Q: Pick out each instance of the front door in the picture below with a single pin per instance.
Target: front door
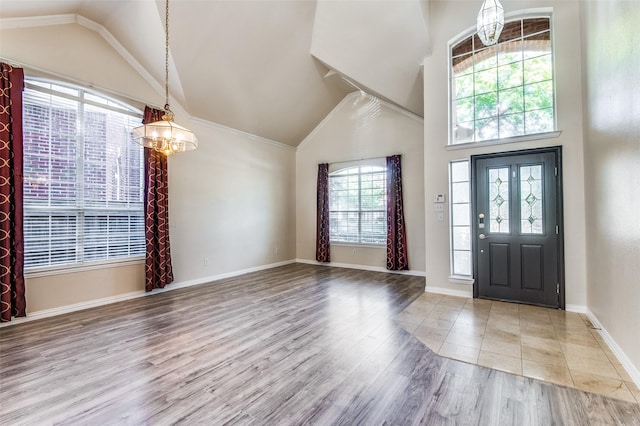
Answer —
(517, 227)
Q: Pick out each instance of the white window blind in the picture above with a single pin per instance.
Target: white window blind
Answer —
(83, 177)
(357, 203)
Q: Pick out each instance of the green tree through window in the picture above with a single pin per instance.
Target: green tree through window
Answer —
(503, 90)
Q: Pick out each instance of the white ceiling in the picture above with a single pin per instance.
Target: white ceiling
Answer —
(247, 64)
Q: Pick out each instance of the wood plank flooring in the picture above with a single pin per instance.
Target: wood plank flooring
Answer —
(299, 344)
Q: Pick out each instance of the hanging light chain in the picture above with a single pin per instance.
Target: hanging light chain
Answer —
(164, 135)
(166, 57)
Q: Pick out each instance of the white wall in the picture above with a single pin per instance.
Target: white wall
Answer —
(361, 127)
(232, 200)
(611, 46)
(449, 19)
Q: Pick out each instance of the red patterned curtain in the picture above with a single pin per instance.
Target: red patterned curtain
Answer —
(12, 298)
(322, 221)
(396, 232)
(158, 270)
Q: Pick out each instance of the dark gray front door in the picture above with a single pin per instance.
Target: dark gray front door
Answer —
(517, 227)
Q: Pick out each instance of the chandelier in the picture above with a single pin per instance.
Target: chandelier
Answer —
(164, 135)
(490, 22)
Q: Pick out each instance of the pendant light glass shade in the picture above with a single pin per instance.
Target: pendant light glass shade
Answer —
(490, 22)
(164, 135)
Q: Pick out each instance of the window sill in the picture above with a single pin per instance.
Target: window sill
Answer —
(383, 246)
(514, 139)
(88, 266)
(461, 279)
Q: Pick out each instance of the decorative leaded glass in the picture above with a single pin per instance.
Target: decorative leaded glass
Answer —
(531, 211)
(499, 200)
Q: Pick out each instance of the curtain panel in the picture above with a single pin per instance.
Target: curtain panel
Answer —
(158, 269)
(322, 218)
(12, 290)
(396, 231)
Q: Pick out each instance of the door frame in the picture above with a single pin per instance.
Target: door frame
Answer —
(557, 150)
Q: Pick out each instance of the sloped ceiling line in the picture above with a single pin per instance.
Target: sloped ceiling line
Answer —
(349, 98)
(71, 18)
(237, 63)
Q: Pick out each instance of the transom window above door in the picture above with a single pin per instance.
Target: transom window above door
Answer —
(505, 90)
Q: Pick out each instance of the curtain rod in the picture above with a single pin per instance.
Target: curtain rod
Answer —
(361, 159)
(75, 81)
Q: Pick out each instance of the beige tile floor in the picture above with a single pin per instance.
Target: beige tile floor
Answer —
(546, 344)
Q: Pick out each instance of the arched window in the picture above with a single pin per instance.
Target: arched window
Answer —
(358, 205)
(504, 90)
(83, 178)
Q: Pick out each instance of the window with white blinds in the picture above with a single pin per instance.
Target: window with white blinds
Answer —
(83, 178)
(358, 205)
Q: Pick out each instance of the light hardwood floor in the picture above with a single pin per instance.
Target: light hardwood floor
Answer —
(299, 344)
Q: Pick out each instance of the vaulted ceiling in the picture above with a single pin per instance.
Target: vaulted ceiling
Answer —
(272, 68)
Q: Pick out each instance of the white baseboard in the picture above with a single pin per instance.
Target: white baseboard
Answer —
(579, 309)
(622, 357)
(211, 278)
(449, 291)
(46, 313)
(361, 267)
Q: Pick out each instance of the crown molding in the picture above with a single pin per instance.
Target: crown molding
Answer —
(37, 21)
(251, 136)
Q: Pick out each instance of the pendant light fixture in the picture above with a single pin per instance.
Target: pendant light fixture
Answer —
(490, 22)
(164, 135)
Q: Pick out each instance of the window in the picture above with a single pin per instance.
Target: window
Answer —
(504, 90)
(460, 218)
(83, 177)
(358, 205)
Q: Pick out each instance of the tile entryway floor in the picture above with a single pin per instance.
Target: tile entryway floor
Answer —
(546, 344)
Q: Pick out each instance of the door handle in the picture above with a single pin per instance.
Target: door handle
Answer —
(482, 236)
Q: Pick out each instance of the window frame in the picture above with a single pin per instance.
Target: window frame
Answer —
(454, 276)
(543, 12)
(93, 99)
(340, 167)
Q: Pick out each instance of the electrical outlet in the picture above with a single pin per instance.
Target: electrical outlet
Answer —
(205, 261)
(440, 217)
(439, 207)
